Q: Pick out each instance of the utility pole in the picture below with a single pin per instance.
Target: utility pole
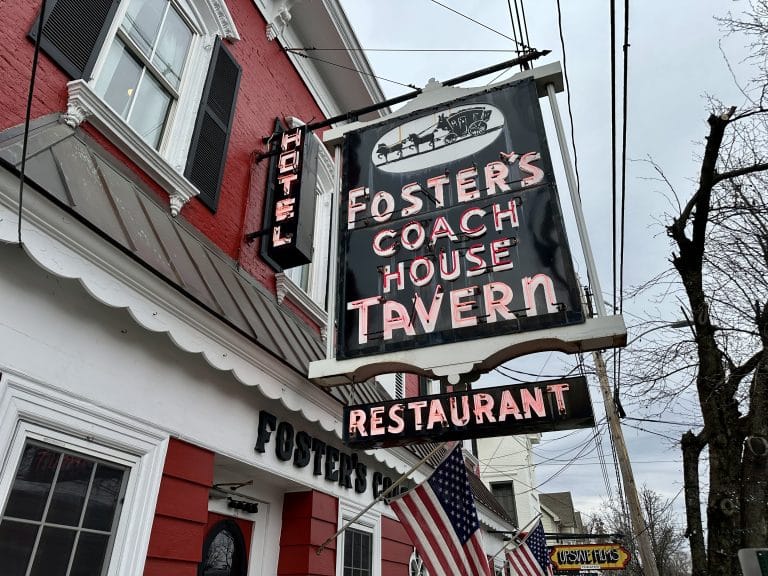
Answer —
(630, 488)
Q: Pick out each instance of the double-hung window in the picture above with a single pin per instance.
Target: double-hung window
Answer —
(156, 79)
(358, 553)
(61, 514)
(141, 76)
(360, 544)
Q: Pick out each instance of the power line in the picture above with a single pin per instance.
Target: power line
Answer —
(481, 24)
(598, 440)
(613, 157)
(677, 440)
(568, 94)
(625, 122)
(315, 49)
(512, 20)
(563, 469)
(519, 25)
(687, 424)
(299, 52)
(540, 375)
(525, 22)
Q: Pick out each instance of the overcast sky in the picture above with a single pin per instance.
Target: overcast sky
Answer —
(674, 61)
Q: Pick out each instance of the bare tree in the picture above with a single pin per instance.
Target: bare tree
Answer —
(666, 539)
(719, 235)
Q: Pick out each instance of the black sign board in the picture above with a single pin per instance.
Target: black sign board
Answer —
(290, 200)
(500, 411)
(451, 228)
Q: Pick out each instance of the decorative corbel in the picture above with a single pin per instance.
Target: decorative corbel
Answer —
(177, 203)
(280, 20)
(75, 114)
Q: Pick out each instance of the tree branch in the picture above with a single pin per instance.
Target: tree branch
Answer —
(740, 172)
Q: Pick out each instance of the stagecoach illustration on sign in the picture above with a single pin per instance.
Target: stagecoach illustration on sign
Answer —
(450, 128)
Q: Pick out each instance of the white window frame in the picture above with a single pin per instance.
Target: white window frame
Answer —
(31, 411)
(416, 565)
(369, 522)
(206, 19)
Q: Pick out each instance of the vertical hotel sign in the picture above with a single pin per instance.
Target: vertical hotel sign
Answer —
(451, 228)
(290, 213)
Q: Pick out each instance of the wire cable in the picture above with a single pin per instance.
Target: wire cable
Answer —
(598, 440)
(519, 22)
(481, 24)
(512, 21)
(568, 94)
(562, 469)
(28, 115)
(299, 52)
(675, 440)
(315, 49)
(625, 99)
(614, 191)
(525, 23)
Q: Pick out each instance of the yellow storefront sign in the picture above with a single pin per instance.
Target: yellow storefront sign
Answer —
(606, 556)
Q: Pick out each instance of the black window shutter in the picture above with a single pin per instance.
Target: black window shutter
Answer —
(74, 31)
(208, 151)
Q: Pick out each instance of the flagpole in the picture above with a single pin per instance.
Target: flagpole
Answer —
(379, 498)
(530, 523)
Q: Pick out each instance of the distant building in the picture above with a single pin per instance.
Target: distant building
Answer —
(507, 468)
(559, 514)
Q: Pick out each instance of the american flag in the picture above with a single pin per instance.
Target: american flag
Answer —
(440, 517)
(531, 557)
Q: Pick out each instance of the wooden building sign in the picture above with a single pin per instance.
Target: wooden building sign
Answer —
(451, 228)
(578, 556)
(514, 409)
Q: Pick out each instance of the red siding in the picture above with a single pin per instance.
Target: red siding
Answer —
(308, 519)
(270, 87)
(411, 385)
(396, 548)
(181, 515)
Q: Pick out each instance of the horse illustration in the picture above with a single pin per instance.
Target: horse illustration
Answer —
(384, 150)
(426, 139)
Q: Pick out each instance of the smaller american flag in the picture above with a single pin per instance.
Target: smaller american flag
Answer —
(531, 557)
(440, 517)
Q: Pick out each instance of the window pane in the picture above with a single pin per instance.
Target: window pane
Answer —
(69, 493)
(218, 561)
(32, 483)
(150, 111)
(16, 542)
(102, 502)
(91, 551)
(358, 560)
(118, 80)
(142, 22)
(53, 552)
(172, 48)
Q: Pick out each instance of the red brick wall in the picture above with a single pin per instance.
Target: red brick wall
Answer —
(16, 51)
(181, 515)
(270, 87)
(396, 548)
(309, 518)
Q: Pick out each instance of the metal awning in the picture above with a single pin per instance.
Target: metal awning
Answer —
(87, 217)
